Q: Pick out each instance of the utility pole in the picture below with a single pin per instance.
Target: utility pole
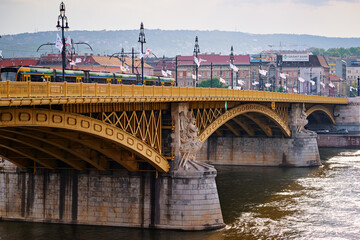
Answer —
(211, 75)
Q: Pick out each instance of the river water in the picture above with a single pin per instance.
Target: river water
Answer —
(257, 203)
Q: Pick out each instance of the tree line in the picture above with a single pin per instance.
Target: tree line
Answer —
(337, 52)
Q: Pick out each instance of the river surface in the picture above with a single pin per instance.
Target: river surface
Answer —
(257, 203)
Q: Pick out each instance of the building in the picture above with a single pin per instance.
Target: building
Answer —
(341, 69)
(340, 86)
(332, 61)
(303, 73)
(215, 65)
(352, 70)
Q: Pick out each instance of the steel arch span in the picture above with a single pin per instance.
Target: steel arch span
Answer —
(243, 109)
(37, 120)
(322, 109)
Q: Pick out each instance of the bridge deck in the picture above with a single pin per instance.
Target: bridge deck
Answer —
(44, 93)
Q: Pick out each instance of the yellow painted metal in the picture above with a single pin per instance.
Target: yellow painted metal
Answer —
(56, 119)
(52, 152)
(322, 109)
(92, 143)
(44, 93)
(244, 125)
(144, 125)
(265, 127)
(61, 145)
(235, 131)
(246, 108)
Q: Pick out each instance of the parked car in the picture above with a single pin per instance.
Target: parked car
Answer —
(342, 131)
(322, 131)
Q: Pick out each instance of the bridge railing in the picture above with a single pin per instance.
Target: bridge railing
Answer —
(9, 90)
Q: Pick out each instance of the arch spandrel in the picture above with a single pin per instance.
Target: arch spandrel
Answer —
(80, 123)
(246, 108)
(322, 109)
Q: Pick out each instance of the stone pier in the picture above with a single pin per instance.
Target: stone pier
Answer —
(301, 151)
(348, 116)
(172, 201)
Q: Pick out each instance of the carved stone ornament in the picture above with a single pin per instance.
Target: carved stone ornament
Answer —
(298, 122)
(189, 142)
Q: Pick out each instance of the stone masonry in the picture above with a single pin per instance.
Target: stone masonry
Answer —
(118, 198)
(348, 116)
(296, 152)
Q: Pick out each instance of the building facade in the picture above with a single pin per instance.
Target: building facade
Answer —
(215, 66)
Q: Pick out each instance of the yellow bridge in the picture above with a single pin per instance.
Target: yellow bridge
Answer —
(108, 127)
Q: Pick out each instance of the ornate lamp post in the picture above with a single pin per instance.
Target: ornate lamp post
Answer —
(63, 20)
(196, 52)
(142, 41)
(232, 63)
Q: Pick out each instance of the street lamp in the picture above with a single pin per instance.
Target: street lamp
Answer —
(232, 69)
(196, 52)
(63, 19)
(142, 41)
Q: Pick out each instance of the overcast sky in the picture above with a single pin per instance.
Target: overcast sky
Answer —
(332, 18)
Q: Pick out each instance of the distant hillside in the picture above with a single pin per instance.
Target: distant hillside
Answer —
(170, 43)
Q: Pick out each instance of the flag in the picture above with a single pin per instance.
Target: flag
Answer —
(267, 85)
(233, 67)
(301, 79)
(58, 43)
(164, 73)
(322, 84)
(148, 52)
(255, 83)
(312, 82)
(262, 72)
(295, 90)
(283, 75)
(123, 69)
(68, 44)
(78, 60)
(196, 60)
(222, 80)
(168, 72)
(331, 85)
(241, 82)
(193, 76)
(353, 89)
(141, 55)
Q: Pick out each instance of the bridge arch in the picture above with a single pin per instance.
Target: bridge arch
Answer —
(323, 110)
(51, 119)
(243, 109)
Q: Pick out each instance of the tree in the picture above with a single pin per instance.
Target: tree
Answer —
(215, 83)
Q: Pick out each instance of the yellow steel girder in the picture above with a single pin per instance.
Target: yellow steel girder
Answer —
(322, 109)
(246, 108)
(83, 124)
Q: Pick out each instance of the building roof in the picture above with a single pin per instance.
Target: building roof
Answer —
(322, 61)
(216, 59)
(114, 61)
(334, 78)
(352, 62)
(12, 62)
